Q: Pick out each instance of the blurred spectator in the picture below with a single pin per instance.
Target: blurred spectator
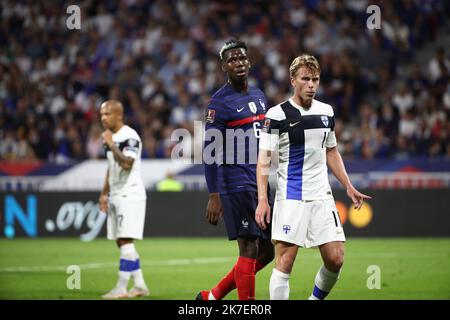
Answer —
(94, 144)
(160, 59)
(403, 99)
(439, 66)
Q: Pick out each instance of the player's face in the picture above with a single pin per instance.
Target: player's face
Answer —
(236, 64)
(305, 83)
(108, 117)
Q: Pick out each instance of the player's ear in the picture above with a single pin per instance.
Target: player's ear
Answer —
(293, 82)
(223, 65)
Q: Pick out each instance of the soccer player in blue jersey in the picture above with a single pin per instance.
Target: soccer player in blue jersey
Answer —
(234, 117)
(301, 130)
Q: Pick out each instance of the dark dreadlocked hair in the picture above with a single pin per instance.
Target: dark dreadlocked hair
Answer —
(231, 44)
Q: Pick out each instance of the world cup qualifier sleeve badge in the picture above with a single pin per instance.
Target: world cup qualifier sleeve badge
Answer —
(210, 115)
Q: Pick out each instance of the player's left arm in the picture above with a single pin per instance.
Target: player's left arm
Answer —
(125, 161)
(336, 165)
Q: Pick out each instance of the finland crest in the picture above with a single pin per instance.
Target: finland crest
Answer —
(132, 142)
(324, 120)
(252, 107)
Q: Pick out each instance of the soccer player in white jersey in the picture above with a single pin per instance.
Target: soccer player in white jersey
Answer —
(123, 198)
(301, 130)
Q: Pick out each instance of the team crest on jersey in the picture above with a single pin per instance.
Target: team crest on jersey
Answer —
(132, 142)
(263, 105)
(210, 115)
(252, 107)
(131, 145)
(324, 120)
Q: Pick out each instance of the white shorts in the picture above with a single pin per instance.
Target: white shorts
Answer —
(126, 218)
(306, 223)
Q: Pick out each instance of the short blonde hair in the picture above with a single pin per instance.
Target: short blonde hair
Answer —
(305, 60)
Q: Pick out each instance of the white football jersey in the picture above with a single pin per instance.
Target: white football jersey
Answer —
(301, 137)
(123, 182)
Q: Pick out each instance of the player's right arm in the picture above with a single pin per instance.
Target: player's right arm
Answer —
(103, 200)
(214, 126)
(267, 143)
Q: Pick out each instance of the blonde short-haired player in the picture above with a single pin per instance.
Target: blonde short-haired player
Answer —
(123, 197)
(301, 130)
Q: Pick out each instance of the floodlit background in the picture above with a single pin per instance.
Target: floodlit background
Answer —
(384, 70)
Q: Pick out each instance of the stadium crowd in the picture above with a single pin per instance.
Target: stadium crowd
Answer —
(160, 58)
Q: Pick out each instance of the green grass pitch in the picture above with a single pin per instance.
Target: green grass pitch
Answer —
(177, 268)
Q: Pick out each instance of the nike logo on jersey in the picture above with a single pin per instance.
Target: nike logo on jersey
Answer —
(239, 110)
(294, 124)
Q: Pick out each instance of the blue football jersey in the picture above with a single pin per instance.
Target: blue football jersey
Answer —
(238, 117)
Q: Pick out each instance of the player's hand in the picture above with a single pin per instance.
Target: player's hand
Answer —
(107, 137)
(103, 203)
(357, 197)
(214, 209)
(262, 214)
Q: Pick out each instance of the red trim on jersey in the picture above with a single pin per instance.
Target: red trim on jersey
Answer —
(245, 120)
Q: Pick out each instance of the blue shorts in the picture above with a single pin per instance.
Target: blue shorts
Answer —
(239, 215)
